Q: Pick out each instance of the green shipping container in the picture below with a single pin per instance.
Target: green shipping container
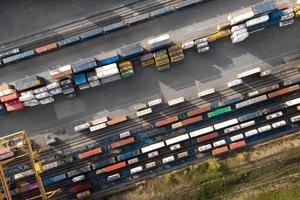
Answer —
(219, 112)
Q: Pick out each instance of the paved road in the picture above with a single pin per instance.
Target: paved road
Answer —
(268, 48)
(199, 13)
(22, 18)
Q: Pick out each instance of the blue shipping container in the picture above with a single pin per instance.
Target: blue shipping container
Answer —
(68, 41)
(107, 58)
(232, 100)
(84, 67)
(90, 34)
(128, 155)
(54, 179)
(275, 15)
(2, 109)
(80, 79)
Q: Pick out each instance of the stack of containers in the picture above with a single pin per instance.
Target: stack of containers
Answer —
(43, 95)
(68, 88)
(54, 88)
(108, 73)
(28, 99)
(126, 69)
(257, 24)
(10, 98)
(287, 17)
(297, 10)
(59, 72)
(81, 81)
(274, 18)
(202, 45)
(239, 33)
(92, 78)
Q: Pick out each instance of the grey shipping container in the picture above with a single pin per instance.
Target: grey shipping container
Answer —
(292, 81)
(83, 61)
(68, 41)
(138, 18)
(84, 67)
(185, 3)
(28, 82)
(250, 116)
(110, 78)
(91, 33)
(232, 100)
(26, 54)
(114, 26)
(8, 59)
(94, 83)
(131, 50)
(161, 11)
(159, 44)
(264, 7)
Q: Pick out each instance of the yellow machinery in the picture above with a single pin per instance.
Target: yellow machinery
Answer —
(21, 146)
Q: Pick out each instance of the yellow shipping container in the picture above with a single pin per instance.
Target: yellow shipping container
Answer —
(218, 35)
(38, 167)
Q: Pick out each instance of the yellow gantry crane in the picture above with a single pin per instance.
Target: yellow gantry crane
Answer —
(21, 146)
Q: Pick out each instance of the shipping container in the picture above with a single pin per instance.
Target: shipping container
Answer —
(107, 70)
(198, 111)
(122, 143)
(82, 187)
(274, 115)
(78, 171)
(54, 179)
(201, 131)
(238, 144)
(249, 116)
(219, 143)
(240, 15)
(133, 161)
(206, 92)
(138, 18)
(182, 155)
(5, 153)
(46, 48)
(158, 42)
(78, 68)
(23, 55)
(113, 177)
(152, 154)
(263, 90)
(185, 3)
(204, 147)
(68, 41)
(232, 128)
(99, 120)
(249, 73)
(58, 72)
(279, 124)
(124, 134)
(219, 111)
(144, 112)
(136, 170)
(175, 53)
(107, 58)
(103, 163)
(115, 167)
(150, 165)
(10, 97)
(168, 159)
(161, 58)
(98, 127)
(152, 147)
(90, 153)
(166, 121)
(155, 102)
(91, 33)
(161, 11)
(114, 26)
(264, 7)
(111, 78)
(177, 139)
(233, 100)
(236, 137)
(128, 155)
(207, 137)
(147, 59)
(191, 120)
(28, 83)
(251, 133)
(176, 101)
(126, 69)
(264, 128)
(225, 124)
(83, 195)
(219, 150)
(251, 101)
(9, 53)
(295, 118)
(80, 79)
(117, 120)
(131, 51)
(292, 81)
(14, 105)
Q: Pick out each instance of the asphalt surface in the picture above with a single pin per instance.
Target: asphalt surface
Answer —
(22, 18)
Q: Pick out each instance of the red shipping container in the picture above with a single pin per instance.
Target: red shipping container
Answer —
(207, 137)
(121, 143)
(10, 97)
(117, 120)
(46, 48)
(90, 153)
(14, 105)
(238, 144)
(81, 188)
(220, 150)
(115, 167)
(273, 94)
(191, 120)
(166, 121)
(198, 111)
(283, 91)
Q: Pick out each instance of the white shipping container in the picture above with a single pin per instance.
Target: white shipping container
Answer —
(152, 154)
(136, 170)
(249, 73)
(125, 134)
(176, 125)
(99, 120)
(266, 73)
(257, 20)
(219, 143)
(234, 82)
(226, 124)
(150, 165)
(201, 131)
(204, 147)
(132, 161)
(158, 39)
(176, 101)
(182, 154)
(264, 128)
(177, 139)
(98, 127)
(187, 45)
(144, 112)
(152, 147)
(82, 126)
(206, 92)
(292, 102)
(247, 124)
(237, 137)
(107, 73)
(242, 17)
(251, 133)
(274, 115)
(174, 147)
(168, 159)
(155, 102)
(279, 124)
(295, 118)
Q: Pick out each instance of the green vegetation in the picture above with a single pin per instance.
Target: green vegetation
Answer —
(269, 171)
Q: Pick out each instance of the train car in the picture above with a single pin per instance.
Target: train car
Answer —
(26, 187)
(295, 119)
(115, 166)
(107, 58)
(144, 112)
(23, 174)
(198, 111)
(103, 163)
(250, 116)
(113, 177)
(136, 170)
(9, 53)
(278, 124)
(292, 102)
(50, 166)
(283, 91)
(273, 109)
(263, 90)
(117, 120)
(233, 100)
(219, 111)
(128, 155)
(152, 147)
(225, 124)
(237, 137)
(219, 143)
(204, 148)
(192, 120)
(201, 131)
(122, 143)
(236, 145)
(167, 121)
(68, 41)
(150, 165)
(206, 92)
(251, 101)
(54, 179)
(168, 159)
(78, 171)
(91, 33)
(220, 150)
(90, 153)
(274, 115)
(65, 161)
(292, 81)
(251, 132)
(177, 139)
(176, 101)
(131, 51)
(46, 48)
(114, 26)
(153, 154)
(82, 187)
(207, 137)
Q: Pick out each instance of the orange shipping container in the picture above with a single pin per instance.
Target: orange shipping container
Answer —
(166, 121)
(10, 97)
(46, 48)
(198, 111)
(115, 167)
(273, 94)
(90, 153)
(191, 120)
(121, 143)
(238, 144)
(5, 86)
(117, 120)
(14, 107)
(220, 150)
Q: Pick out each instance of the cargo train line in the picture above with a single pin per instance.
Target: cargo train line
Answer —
(98, 20)
(264, 105)
(190, 146)
(170, 111)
